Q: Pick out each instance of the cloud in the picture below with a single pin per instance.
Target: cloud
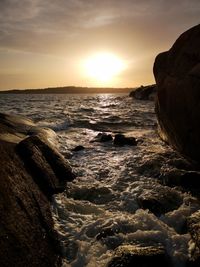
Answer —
(133, 29)
(35, 24)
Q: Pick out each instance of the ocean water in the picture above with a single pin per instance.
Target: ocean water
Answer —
(101, 210)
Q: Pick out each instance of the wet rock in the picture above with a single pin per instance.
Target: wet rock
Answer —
(16, 125)
(121, 140)
(27, 236)
(160, 200)
(189, 180)
(193, 224)
(130, 255)
(71, 250)
(177, 74)
(181, 163)
(151, 166)
(106, 232)
(103, 137)
(97, 195)
(78, 148)
(144, 92)
(48, 167)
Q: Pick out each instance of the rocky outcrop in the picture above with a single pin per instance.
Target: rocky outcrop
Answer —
(132, 255)
(177, 74)
(31, 171)
(144, 92)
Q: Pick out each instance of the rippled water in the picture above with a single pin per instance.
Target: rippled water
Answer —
(101, 209)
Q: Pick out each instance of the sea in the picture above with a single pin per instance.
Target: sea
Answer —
(101, 209)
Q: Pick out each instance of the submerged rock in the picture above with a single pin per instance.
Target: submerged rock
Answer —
(103, 137)
(189, 180)
(109, 231)
(160, 200)
(78, 148)
(27, 236)
(144, 92)
(177, 74)
(130, 255)
(121, 140)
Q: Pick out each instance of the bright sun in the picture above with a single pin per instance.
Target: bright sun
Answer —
(103, 67)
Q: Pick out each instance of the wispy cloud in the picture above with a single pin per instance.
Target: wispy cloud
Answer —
(50, 20)
(69, 28)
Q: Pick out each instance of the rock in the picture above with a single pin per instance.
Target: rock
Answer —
(130, 255)
(121, 140)
(160, 200)
(177, 74)
(189, 180)
(144, 92)
(78, 148)
(103, 137)
(14, 129)
(105, 233)
(93, 194)
(193, 224)
(15, 124)
(27, 236)
(151, 166)
(46, 165)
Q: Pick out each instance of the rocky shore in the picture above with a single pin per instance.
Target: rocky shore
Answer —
(32, 170)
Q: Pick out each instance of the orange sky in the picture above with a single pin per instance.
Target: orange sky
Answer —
(45, 42)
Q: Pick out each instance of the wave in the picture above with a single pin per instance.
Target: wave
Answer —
(55, 126)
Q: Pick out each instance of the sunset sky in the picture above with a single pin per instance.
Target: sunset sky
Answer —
(49, 42)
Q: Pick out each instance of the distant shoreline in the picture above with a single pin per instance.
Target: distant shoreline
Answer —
(69, 90)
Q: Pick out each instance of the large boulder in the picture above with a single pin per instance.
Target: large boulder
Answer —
(31, 171)
(177, 74)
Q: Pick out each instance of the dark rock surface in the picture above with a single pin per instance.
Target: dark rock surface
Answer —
(144, 92)
(177, 74)
(46, 165)
(160, 201)
(121, 140)
(78, 148)
(105, 232)
(103, 137)
(27, 237)
(130, 255)
(189, 180)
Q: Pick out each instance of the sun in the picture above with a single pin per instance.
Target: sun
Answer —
(103, 67)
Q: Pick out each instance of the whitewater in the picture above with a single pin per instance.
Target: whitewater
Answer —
(101, 209)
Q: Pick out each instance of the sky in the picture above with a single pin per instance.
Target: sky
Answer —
(44, 43)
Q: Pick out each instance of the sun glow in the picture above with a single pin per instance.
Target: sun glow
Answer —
(103, 67)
